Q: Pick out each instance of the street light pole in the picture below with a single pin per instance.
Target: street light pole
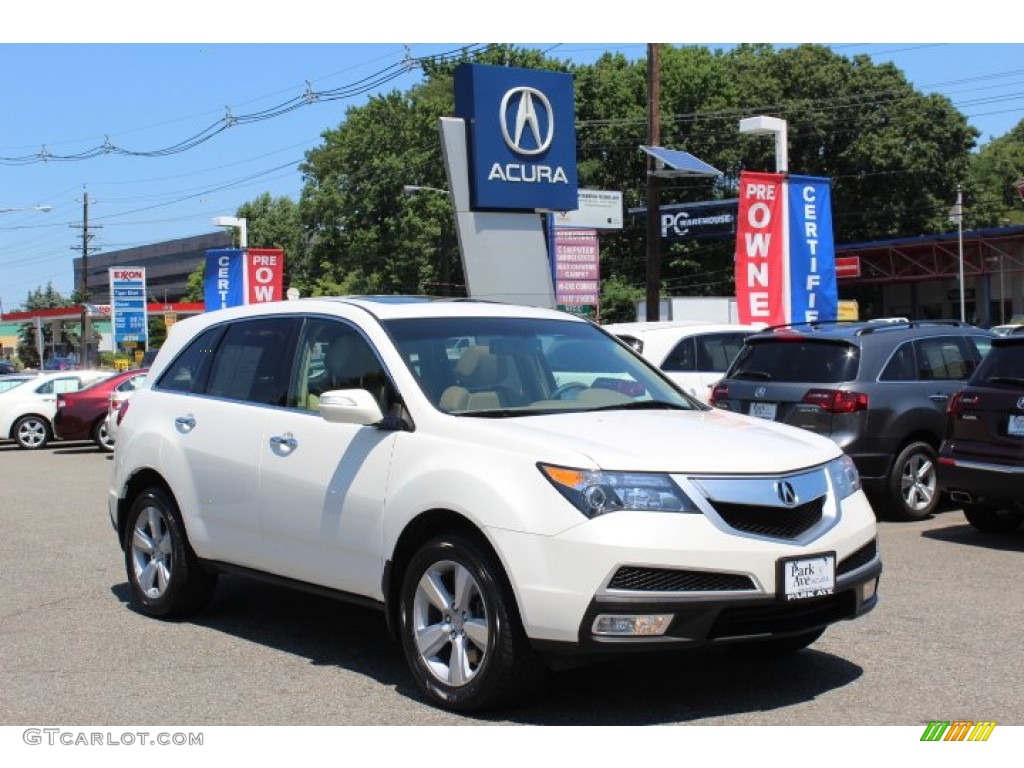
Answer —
(43, 208)
(762, 124)
(237, 223)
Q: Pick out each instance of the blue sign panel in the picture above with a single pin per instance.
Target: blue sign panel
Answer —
(812, 254)
(224, 279)
(128, 304)
(521, 137)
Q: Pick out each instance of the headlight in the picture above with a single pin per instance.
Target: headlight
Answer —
(596, 493)
(845, 477)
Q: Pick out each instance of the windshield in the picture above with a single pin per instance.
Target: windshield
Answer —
(522, 367)
(792, 360)
(1004, 364)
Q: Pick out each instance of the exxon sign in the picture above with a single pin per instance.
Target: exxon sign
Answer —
(521, 137)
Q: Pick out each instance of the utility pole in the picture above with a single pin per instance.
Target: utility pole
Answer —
(653, 191)
(86, 324)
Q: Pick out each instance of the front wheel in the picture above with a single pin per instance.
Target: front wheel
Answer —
(460, 633)
(166, 578)
(991, 520)
(32, 432)
(913, 492)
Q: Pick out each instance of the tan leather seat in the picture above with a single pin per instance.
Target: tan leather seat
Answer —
(478, 372)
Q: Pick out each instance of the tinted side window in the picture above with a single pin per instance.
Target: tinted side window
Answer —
(682, 358)
(901, 366)
(942, 359)
(716, 350)
(254, 361)
(188, 372)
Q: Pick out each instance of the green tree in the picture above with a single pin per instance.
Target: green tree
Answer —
(993, 199)
(895, 157)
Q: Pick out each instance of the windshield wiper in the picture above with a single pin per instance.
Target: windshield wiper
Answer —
(1015, 380)
(761, 375)
(644, 405)
(497, 413)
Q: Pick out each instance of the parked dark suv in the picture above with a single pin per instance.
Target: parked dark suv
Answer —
(879, 389)
(981, 462)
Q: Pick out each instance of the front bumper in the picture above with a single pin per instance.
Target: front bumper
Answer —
(718, 584)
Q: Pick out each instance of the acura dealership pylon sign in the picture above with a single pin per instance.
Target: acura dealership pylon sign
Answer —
(521, 137)
(785, 253)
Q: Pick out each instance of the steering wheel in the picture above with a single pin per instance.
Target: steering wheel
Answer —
(570, 387)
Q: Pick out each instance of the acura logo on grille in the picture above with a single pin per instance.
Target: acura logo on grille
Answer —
(760, 392)
(525, 117)
(787, 493)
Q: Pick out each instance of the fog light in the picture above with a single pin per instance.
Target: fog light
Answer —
(645, 624)
(870, 588)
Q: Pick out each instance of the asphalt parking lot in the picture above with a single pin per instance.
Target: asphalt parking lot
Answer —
(944, 642)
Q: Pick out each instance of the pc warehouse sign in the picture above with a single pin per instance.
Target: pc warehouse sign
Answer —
(128, 304)
(785, 254)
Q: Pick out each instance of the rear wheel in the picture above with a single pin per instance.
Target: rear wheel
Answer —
(992, 520)
(460, 633)
(165, 576)
(101, 436)
(32, 432)
(913, 492)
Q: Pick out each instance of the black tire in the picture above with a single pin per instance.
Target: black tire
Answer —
(498, 666)
(101, 437)
(913, 490)
(779, 646)
(32, 432)
(165, 576)
(991, 520)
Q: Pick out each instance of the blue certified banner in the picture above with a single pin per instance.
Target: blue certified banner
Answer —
(521, 137)
(812, 256)
(128, 304)
(224, 279)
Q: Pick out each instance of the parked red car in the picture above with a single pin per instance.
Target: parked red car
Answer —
(82, 415)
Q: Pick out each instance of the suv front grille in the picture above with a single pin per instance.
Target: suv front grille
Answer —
(668, 580)
(777, 522)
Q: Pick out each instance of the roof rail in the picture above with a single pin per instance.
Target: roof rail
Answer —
(903, 323)
(809, 324)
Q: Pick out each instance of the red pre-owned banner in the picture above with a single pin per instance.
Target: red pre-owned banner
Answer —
(264, 274)
(762, 284)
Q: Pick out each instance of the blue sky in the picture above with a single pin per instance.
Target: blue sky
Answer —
(73, 83)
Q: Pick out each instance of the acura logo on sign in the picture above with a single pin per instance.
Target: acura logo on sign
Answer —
(524, 117)
(787, 493)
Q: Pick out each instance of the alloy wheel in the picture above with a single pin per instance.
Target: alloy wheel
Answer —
(450, 623)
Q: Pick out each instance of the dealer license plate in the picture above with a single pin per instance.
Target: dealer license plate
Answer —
(807, 577)
(1016, 426)
(764, 410)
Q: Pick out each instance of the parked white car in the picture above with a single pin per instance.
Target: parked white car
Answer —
(695, 355)
(546, 494)
(27, 411)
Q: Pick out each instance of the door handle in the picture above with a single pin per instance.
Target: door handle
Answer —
(185, 423)
(285, 443)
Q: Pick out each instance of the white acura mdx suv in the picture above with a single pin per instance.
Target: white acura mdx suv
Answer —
(537, 494)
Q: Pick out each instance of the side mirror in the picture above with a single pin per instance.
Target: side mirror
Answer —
(350, 406)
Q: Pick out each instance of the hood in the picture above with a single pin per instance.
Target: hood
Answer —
(663, 441)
